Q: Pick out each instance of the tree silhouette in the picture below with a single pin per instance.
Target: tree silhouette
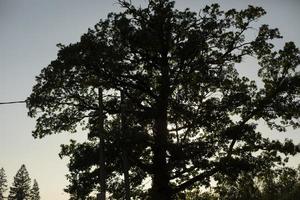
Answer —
(245, 186)
(189, 114)
(280, 183)
(3, 183)
(35, 191)
(20, 189)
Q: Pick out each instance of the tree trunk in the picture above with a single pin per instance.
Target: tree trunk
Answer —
(126, 176)
(160, 184)
(101, 195)
(124, 150)
(161, 188)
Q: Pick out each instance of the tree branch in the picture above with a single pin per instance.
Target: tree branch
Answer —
(195, 179)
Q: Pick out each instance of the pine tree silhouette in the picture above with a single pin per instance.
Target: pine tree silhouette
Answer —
(35, 191)
(3, 183)
(20, 189)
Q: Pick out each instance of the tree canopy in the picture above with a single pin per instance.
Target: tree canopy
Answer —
(189, 114)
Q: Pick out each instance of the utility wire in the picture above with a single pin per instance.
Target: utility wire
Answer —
(16, 102)
(11, 102)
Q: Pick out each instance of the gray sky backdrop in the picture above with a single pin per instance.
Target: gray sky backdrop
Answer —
(29, 32)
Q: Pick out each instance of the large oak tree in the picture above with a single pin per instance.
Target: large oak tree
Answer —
(189, 113)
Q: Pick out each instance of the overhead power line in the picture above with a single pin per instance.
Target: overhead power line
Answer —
(11, 102)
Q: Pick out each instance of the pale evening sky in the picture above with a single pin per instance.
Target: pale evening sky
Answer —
(29, 32)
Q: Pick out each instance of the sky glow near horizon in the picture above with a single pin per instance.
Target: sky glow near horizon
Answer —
(30, 30)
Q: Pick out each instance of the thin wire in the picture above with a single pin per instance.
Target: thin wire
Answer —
(11, 102)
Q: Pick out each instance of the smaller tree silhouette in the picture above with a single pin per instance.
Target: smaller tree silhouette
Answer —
(3, 183)
(35, 191)
(20, 189)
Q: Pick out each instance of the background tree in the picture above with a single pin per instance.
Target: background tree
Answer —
(35, 191)
(20, 189)
(197, 194)
(190, 114)
(3, 183)
(245, 186)
(280, 184)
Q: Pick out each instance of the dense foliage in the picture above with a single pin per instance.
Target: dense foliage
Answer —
(189, 114)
